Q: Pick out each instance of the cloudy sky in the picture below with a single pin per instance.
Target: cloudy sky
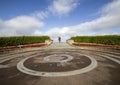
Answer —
(63, 18)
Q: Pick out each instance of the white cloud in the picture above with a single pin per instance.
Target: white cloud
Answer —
(62, 7)
(23, 22)
(21, 25)
(112, 9)
(57, 7)
(109, 20)
(37, 33)
(41, 14)
(28, 25)
(31, 25)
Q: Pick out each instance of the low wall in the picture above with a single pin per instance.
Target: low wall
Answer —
(70, 41)
(48, 42)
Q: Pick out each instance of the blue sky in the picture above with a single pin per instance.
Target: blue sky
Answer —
(63, 18)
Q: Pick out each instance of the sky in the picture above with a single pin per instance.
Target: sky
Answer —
(64, 18)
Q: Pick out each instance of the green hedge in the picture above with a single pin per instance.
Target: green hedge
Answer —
(20, 40)
(107, 39)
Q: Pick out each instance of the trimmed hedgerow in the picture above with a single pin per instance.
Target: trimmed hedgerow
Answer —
(107, 39)
(20, 40)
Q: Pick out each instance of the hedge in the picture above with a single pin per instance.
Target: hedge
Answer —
(20, 40)
(107, 39)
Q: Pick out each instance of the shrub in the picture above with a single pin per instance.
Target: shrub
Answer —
(20, 40)
(107, 39)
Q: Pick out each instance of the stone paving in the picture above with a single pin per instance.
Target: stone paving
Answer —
(57, 45)
(105, 64)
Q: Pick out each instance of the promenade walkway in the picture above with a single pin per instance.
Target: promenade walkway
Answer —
(57, 45)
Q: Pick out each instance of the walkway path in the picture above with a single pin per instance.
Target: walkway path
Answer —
(57, 45)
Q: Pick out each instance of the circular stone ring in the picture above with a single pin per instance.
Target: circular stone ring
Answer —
(22, 68)
(58, 58)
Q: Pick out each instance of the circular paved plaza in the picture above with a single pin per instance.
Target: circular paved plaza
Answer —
(59, 64)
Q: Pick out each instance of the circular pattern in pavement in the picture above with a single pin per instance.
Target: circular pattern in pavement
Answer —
(58, 58)
(57, 64)
(106, 72)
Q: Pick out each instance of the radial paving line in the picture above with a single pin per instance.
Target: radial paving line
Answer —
(111, 55)
(106, 56)
(3, 66)
(14, 56)
(115, 60)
